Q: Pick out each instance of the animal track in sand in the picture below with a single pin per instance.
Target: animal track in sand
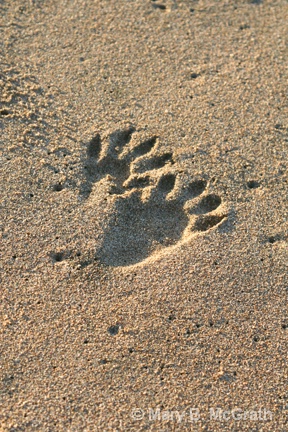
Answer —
(152, 210)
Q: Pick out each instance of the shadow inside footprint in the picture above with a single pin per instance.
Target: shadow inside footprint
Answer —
(120, 138)
(94, 147)
(208, 204)
(156, 162)
(196, 188)
(144, 147)
(140, 229)
(206, 222)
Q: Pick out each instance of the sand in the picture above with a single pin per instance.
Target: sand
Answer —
(143, 215)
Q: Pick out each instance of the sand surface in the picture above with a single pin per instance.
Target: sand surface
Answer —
(143, 215)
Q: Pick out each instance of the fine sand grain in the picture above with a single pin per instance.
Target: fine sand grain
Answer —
(143, 215)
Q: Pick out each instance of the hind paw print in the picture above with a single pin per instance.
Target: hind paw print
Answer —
(152, 210)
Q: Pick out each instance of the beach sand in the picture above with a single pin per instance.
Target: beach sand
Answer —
(144, 215)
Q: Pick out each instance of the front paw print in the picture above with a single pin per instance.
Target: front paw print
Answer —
(116, 160)
(150, 213)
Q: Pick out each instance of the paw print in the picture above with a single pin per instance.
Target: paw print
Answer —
(116, 161)
(152, 209)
